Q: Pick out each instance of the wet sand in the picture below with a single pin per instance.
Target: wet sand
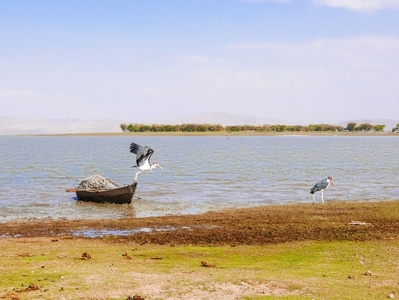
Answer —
(336, 221)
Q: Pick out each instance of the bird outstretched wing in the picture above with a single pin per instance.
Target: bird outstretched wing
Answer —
(142, 153)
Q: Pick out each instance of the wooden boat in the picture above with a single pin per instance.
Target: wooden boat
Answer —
(120, 195)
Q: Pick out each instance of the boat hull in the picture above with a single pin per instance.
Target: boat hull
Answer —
(122, 195)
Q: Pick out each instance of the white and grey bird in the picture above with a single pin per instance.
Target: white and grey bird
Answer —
(143, 155)
(321, 186)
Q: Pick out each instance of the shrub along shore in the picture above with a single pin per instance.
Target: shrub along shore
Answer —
(351, 127)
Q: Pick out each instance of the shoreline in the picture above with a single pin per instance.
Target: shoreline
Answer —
(218, 133)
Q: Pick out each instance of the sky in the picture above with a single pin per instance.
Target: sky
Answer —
(304, 61)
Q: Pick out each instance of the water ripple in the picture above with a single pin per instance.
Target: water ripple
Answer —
(200, 173)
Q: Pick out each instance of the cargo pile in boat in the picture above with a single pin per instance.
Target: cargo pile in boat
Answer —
(97, 182)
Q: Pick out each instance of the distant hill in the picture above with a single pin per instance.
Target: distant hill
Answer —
(389, 124)
(10, 126)
(225, 119)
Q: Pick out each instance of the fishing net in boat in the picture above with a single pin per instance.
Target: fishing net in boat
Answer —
(97, 182)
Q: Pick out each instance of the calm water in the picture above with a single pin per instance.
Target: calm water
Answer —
(200, 173)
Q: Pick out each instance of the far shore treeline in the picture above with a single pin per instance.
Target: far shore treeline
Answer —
(250, 128)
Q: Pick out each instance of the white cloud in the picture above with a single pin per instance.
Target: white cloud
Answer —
(361, 5)
(320, 79)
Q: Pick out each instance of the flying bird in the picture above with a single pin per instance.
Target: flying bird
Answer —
(143, 155)
(321, 186)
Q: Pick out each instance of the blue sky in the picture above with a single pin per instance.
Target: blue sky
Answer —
(308, 61)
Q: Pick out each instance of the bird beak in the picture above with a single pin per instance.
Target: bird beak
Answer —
(158, 165)
(332, 182)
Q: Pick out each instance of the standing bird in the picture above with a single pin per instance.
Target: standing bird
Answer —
(143, 155)
(321, 186)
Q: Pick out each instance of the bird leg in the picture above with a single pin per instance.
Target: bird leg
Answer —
(313, 198)
(135, 177)
(322, 198)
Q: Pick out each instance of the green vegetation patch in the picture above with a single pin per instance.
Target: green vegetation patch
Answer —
(298, 270)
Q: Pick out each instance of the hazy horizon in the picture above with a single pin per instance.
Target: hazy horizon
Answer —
(10, 126)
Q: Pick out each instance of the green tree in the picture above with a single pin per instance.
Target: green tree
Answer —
(379, 128)
(234, 128)
(278, 128)
(216, 127)
(188, 127)
(351, 126)
(364, 127)
(130, 127)
(124, 127)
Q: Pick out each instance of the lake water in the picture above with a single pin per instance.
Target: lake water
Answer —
(200, 173)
